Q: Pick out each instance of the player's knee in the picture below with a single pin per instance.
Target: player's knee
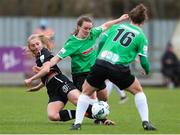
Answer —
(135, 87)
(102, 95)
(88, 89)
(74, 100)
(135, 90)
(103, 98)
(88, 92)
(53, 116)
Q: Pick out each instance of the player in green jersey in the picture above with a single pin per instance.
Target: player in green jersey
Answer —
(80, 47)
(123, 43)
(109, 84)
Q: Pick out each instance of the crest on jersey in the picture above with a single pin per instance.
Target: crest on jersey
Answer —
(42, 58)
(145, 49)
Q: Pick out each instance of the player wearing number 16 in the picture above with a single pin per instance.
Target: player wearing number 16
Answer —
(121, 44)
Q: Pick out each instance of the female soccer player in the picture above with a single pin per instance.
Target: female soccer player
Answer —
(124, 41)
(59, 88)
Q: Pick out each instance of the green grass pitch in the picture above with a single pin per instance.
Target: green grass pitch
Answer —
(25, 113)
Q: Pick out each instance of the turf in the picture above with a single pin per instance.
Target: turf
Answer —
(25, 113)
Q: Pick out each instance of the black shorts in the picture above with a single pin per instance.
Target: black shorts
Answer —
(78, 79)
(58, 88)
(102, 70)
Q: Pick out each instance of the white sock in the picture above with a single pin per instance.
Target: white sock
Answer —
(142, 106)
(92, 101)
(82, 105)
(121, 93)
(109, 86)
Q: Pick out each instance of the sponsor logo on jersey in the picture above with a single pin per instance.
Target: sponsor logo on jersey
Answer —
(65, 88)
(110, 56)
(88, 50)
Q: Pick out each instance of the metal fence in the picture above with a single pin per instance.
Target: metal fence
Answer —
(15, 30)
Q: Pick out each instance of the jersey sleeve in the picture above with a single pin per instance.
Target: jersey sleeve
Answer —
(69, 48)
(108, 32)
(143, 47)
(101, 42)
(145, 64)
(46, 55)
(96, 31)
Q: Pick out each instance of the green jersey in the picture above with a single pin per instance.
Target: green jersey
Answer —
(81, 51)
(123, 42)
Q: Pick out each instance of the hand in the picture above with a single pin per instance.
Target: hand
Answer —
(124, 17)
(142, 72)
(137, 59)
(33, 89)
(28, 82)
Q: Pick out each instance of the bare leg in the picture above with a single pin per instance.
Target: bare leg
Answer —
(53, 109)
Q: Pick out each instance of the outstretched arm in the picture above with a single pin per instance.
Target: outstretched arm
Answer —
(44, 70)
(108, 24)
(36, 88)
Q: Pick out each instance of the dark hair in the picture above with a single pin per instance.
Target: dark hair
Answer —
(80, 21)
(169, 45)
(138, 14)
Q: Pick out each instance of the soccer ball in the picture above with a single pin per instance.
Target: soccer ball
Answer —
(100, 110)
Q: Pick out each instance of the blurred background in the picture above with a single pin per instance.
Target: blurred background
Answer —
(20, 18)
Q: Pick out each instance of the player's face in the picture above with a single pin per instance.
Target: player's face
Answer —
(35, 46)
(85, 29)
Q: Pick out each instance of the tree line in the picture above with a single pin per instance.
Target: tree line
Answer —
(162, 9)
